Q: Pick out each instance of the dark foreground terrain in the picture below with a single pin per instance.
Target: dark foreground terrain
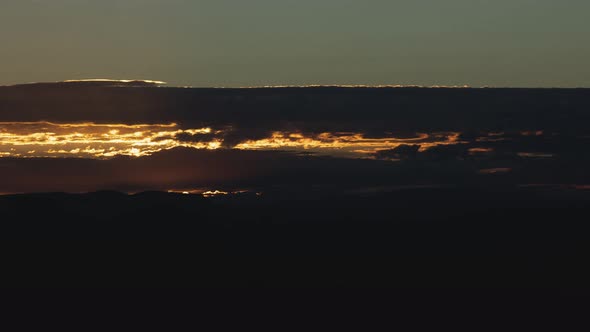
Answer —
(489, 188)
(423, 237)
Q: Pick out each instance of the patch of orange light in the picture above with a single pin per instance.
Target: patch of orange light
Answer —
(532, 133)
(215, 193)
(345, 143)
(474, 151)
(211, 192)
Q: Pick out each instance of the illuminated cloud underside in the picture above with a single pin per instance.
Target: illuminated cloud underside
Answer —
(90, 140)
(345, 144)
(45, 139)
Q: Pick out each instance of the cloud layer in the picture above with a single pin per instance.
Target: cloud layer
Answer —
(146, 138)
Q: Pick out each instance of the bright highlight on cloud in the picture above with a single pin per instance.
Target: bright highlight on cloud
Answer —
(46, 139)
(90, 140)
(109, 80)
(101, 82)
(345, 144)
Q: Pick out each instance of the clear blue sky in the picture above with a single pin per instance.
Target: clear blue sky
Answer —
(269, 42)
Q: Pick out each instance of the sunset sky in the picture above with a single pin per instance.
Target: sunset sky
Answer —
(533, 43)
(74, 133)
(296, 143)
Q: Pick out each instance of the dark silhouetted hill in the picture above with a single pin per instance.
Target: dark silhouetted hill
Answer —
(422, 237)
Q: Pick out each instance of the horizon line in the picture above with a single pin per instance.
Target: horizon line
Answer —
(144, 83)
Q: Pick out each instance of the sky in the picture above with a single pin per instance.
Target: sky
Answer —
(231, 43)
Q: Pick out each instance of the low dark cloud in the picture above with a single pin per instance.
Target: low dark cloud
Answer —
(232, 136)
(189, 168)
(185, 168)
(436, 153)
(443, 152)
(401, 152)
(253, 113)
(195, 138)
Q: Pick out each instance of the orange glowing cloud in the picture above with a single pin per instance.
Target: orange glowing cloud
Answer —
(46, 139)
(92, 140)
(345, 144)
